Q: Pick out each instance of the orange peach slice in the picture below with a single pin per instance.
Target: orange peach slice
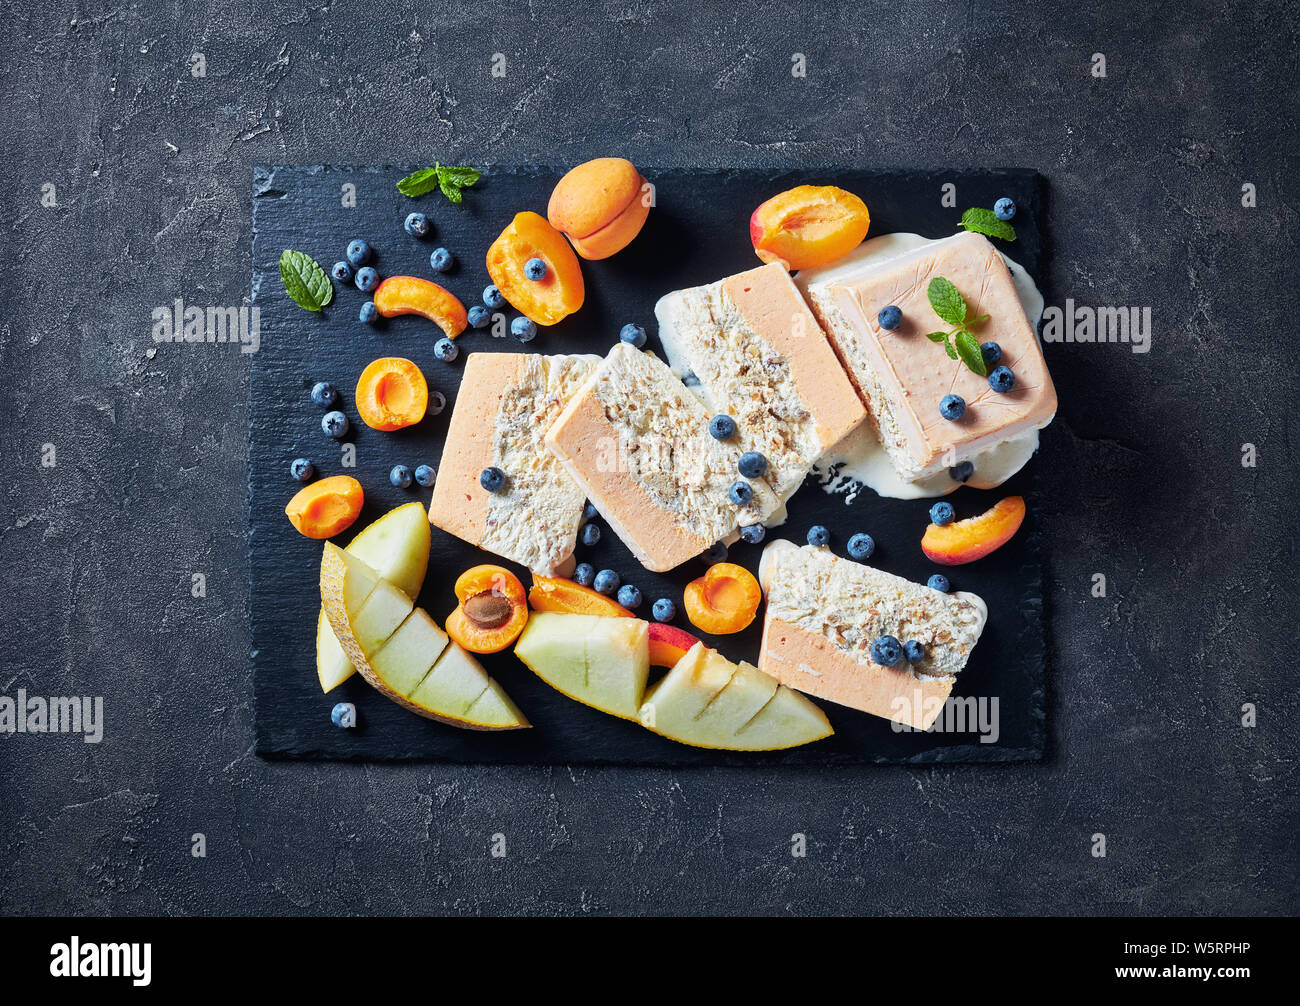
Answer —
(551, 593)
(412, 295)
(723, 600)
(326, 508)
(601, 205)
(965, 541)
(668, 644)
(557, 294)
(808, 226)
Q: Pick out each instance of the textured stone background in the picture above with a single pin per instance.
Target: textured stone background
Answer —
(152, 169)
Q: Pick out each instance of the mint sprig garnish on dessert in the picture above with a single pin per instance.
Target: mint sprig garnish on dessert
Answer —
(948, 303)
(304, 280)
(446, 178)
(987, 222)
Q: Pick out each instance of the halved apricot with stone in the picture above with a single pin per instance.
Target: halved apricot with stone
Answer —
(559, 292)
(808, 226)
(391, 394)
(326, 508)
(552, 593)
(601, 205)
(412, 295)
(492, 609)
(723, 600)
(965, 541)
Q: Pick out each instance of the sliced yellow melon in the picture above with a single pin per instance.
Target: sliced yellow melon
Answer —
(602, 662)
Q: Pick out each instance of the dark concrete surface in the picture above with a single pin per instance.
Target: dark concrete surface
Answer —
(151, 168)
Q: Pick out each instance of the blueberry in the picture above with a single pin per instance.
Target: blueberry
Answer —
(535, 269)
(629, 596)
(752, 534)
(367, 279)
(584, 573)
(524, 329)
(633, 335)
(369, 313)
(663, 610)
(717, 552)
(301, 469)
(818, 535)
(1004, 209)
(886, 651)
(492, 479)
(939, 582)
(358, 252)
(334, 423)
(441, 260)
(952, 407)
(752, 465)
(492, 297)
(323, 394)
(590, 535)
(861, 546)
(606, 582)
(942, 513)
(741, 493)
(722, 427)
(991, 352)
(1002, 380)
(479, 316)
(437, 402)
(341, 271)
(961, 472)
(417, 225)
(446, 350)
(400, 476)
(589, 513)
(890, 317)
(344, 715)
(915, 651)
(425, 475)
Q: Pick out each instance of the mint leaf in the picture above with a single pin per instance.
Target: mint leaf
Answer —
(936, 336)
(983, 221)
(418, 183)
(946, 300)
(461, 177)
(305, 281)
(947, 348)
(969, 351)
(448, 179)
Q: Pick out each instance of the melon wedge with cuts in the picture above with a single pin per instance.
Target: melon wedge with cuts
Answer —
(396, 547)
(404, 654)
(707, 701)
(599, 661)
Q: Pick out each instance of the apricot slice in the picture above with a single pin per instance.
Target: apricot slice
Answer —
(966, 540)
(326, 508)
(723, 600)
(412, 295)
(492, 609)
(600, 205)
(808, 226)
(668, 644)
(552, 593)
(557, 294)
(391, 393)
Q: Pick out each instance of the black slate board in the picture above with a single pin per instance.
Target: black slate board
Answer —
(697, 233)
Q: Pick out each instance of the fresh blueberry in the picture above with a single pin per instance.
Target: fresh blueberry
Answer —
(590, 535)
(752, 534)
(722, 427)
(939, 582)
(1004, 208)
(606, 582)
(437, 402)
(942, 513)
(991, 352)
(341, 271)
(663, 610)
(752, 465)
(524, 329)
(741, 493)
(886, 651)
(952, 407)
(1002, 380)
(717, 552)
(633, 335)
(818, 535)
(589, 513)
(369, 313)
(425, 475)
(861, 546)
(492, 479)
(629, 596)
(323, 394)
(584, 573)
(344, 715)
(492, 297)
(535, 269)
(890, 317)
(417, 225)
(441, 260)
(446, 350)
(400, 476)
(961, 472)
(334, 423)
(367, 279)
(479, 316)
(301, 469)
(358, 252)
(915, 651)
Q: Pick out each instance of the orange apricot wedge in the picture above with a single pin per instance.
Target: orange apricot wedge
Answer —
(491, 609)
(558, 293)
(412, 295)
(326, 508)
(723, 600)
(808, 226)
(966, 540)
(601, 205)
(552, 593)
(391, 394)
(668, 644)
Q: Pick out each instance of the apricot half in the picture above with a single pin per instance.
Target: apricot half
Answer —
(723, 600)
(553, 593)
(326, 508)
(412, 295)
(391, 394)
(601, 206)
(558, 293)
(492, 609)
(808, 226)
(966, 540)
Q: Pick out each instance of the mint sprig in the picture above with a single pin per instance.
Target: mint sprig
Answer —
(304, 280)
(947, 302)
(448, 179)
(984, 221)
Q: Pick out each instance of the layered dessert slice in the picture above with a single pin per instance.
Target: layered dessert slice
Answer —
(757, 354)
(637, 442)
(824, 613)
(903, 376)
(505, 404)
